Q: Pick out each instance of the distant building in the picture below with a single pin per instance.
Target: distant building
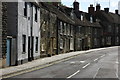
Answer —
(119, 6)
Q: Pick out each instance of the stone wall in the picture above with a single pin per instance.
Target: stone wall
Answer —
(0, 29)
(4, 28)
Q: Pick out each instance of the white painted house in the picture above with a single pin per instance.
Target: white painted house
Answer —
(23, 43)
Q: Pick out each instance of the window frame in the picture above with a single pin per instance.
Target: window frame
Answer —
(24, 43)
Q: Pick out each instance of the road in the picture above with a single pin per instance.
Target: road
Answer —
(98, 64)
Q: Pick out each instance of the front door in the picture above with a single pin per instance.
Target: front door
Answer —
(29, 50)
(8, 52)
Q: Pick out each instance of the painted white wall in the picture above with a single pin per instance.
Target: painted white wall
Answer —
(24, 25)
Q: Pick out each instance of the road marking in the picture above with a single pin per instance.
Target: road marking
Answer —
(96, 73)
(86, 65)
(117, 75)
(82, 61)
(102, 56)
(72, 62)
(73, 74)
(96, 59)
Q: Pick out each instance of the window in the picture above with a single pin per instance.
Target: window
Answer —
(117, 39)
(43, 47)
(71, 30)
(81, 17)
(68, 29)
(25, 9)
(61, 43)
(61, 30)
(44, 26)
(91, 19)
(71, 44)
(54, 43)
(24, 43)
(109, 40)
(117, 30)
(78, 42)
(79, 28)
(95, 31)
(72, 15)
(36, 14)
(95, 41)
(36, 44)
(65, 29)
(109, 28)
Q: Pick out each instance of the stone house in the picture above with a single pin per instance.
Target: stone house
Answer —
(57, 35)
(48, 42)
(87, 29)
(110, 25)
(116, 26)
(23, 36)
(3, 33)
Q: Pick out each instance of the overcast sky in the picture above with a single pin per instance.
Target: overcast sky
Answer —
(84, 4)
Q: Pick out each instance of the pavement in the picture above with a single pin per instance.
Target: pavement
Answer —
(42, 63)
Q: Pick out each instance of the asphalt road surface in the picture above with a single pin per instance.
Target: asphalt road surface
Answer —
(98, 64)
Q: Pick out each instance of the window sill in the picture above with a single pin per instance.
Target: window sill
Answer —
(36, 51)
(23, 52)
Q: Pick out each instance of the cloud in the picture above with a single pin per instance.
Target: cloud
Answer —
(114, 4)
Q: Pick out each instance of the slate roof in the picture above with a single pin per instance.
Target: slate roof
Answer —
(77, 18)
(56, 11)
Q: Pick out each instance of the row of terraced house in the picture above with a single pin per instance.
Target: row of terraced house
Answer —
(32, 30)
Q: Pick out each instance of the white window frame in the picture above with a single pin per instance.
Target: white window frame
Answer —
(91, 19)
(82, 17)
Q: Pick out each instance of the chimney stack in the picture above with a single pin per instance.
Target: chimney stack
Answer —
(98, 7)
(91, 9)
(106, 10)
(116, 11)
(76, 5)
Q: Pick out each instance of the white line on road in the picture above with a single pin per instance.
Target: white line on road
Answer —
(72, 62)
(86, 65)
(102, 56)
(82, 61)
(96, 59)
(73, 74)
(96, 73)
(117, 75)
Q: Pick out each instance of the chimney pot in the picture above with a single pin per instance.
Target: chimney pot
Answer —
(98, 7)
(106, 10)
(116, 11)
(91, 9)
(76, 5)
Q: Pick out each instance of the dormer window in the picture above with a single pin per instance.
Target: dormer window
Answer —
(91, 19)
(81, 17)
(72, 15)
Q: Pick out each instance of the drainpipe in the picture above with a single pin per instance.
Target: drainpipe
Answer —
(31, 32)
